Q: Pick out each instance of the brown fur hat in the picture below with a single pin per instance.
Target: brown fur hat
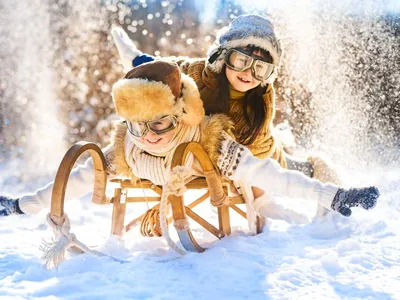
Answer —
(156, 89)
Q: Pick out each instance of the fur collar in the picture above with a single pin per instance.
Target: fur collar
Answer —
(116, 153)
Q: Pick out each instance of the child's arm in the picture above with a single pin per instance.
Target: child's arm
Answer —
(236, 162)
(80, 182)
(133, 57)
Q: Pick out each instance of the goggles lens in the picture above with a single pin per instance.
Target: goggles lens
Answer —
(158, 127)
(240, 62)
(262, 69)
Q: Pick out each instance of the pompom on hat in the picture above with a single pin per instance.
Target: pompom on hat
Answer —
(156, 89)
(243, 31)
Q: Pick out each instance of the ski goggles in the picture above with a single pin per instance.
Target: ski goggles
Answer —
(158, 127)
(240, 61)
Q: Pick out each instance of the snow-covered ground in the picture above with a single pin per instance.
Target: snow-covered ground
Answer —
(337, 258)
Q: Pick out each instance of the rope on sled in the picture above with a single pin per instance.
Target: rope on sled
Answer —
(54, 251)
(150, 224)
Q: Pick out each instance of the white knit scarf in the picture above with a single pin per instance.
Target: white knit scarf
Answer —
(155, 165)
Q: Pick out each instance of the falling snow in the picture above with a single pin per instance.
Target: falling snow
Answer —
(338, 88)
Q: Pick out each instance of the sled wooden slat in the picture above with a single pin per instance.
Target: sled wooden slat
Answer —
(133, 223)
(197, 183)
(239, 211)
(211, 228)
(224, 219)
(156, 189)
(199, 200)
(236, 200)
(156, 199)
(140, 199)
(118, 215)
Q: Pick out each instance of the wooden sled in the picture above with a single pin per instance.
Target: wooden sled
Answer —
(215, 190)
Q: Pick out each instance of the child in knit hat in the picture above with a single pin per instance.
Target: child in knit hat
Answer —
(160, 108)
(236, 78)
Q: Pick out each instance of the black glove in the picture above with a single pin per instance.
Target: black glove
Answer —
(346, 199)
(9, 206)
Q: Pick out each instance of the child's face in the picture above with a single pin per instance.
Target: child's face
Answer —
(242, 81)
(155, 142)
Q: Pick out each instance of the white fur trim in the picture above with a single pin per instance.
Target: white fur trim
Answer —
(256, 41)
(140, 99)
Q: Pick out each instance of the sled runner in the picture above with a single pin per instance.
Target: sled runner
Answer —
(214, 189)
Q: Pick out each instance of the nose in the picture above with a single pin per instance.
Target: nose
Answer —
(247, 72)
(150, 134)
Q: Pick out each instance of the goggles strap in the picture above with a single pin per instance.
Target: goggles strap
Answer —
(214, 57)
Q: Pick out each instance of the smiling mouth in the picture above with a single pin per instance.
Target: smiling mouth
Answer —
(153, 142)
(243, 80)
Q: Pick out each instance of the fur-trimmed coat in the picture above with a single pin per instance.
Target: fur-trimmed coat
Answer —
(207, 83)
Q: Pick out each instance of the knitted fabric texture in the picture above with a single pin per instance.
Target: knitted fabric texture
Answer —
(155, 165)
(230, 157)
(346, 199)
(141, 59)
(9, 206)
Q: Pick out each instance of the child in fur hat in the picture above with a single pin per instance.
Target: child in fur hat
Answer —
(160, 108)
(236, 78)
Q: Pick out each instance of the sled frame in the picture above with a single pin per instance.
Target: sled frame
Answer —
(214, 188)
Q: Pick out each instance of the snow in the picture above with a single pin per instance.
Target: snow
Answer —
(335, 258)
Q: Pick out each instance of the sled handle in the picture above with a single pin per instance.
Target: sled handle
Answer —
(217, 194)
(64, 170)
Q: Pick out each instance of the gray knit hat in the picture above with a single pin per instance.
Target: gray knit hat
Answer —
(243, 31)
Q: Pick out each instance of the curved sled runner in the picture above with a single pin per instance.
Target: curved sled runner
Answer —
(215, 189)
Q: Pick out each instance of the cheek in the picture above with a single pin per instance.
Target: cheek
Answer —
(168, 136)
(230, 74)
(256, 83)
